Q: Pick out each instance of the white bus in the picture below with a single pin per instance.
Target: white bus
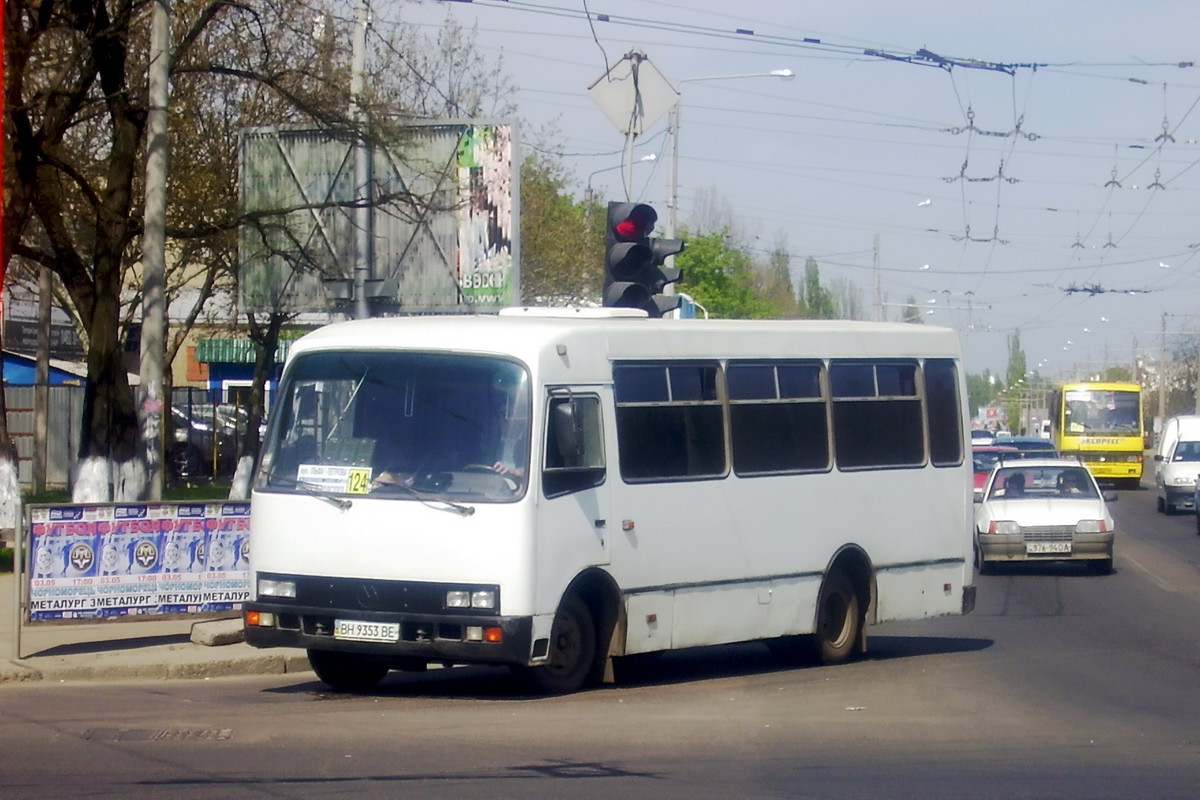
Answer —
(551, 489)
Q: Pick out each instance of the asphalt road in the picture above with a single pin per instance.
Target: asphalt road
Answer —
(1060, 685)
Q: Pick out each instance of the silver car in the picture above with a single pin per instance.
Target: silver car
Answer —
(1043, 509)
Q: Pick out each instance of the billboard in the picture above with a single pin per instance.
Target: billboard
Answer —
(443, 219)
(106, 560)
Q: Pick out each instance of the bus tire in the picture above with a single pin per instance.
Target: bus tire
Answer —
(573, 660)
(346, 672)
(838, 619)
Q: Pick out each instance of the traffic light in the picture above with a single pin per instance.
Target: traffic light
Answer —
(634, 275)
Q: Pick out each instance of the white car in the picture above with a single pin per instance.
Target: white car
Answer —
(1043, 509)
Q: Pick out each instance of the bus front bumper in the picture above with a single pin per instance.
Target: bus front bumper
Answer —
(406, 639)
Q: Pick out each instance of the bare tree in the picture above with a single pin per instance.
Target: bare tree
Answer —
(75, 111)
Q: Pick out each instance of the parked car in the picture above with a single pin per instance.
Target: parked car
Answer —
(1034, 446)
(985, 458)
(1044, 509)
(204, 440)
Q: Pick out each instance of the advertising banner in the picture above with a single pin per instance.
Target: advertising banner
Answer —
(137, 559)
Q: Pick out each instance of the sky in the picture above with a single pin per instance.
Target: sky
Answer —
(1036, 171)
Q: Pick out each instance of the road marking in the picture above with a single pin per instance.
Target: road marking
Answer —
(1162, 584)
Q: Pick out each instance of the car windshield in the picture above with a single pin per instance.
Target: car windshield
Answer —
(1014, 483)
(406, 425)
(1187, 451)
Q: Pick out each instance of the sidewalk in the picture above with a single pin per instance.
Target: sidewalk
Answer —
(123, 650)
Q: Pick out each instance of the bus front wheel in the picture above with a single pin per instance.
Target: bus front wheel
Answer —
(838, 619)
(346, 672)
(573, 651)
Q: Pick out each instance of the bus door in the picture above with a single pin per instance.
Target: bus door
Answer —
(574, 525)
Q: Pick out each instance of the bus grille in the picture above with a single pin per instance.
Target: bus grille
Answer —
(1048, 533)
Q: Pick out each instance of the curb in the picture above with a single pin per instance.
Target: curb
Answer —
(267, 664)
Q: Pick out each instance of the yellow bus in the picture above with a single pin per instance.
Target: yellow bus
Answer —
(1101, 423)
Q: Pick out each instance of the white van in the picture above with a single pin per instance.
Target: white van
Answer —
(1178, 464)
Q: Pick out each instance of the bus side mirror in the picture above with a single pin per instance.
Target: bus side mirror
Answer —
(568, 433)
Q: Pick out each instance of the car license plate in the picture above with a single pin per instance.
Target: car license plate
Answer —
(1047, 547)
(366, 631)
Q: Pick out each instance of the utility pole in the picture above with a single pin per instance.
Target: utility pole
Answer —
(1162, 376)
(41, 391)
(154, 248)
(363, 249)
(878, 285)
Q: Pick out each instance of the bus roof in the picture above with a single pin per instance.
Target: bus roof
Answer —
(585, 336)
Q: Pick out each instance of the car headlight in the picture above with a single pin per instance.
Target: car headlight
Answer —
(1004, 527)
(272, 588)
(1184, 480)
(1091, 526)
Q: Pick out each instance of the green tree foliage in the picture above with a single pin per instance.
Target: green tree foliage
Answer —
(562, 242)
(776, 285)
(815, 299)
(982, 390)
(721, 278)
(1016, 372)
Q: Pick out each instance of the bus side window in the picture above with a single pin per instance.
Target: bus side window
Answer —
(574, 445)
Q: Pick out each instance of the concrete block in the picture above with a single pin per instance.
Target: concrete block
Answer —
(215, 633)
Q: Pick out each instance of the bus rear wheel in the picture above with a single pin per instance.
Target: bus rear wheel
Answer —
(838, 619)
(346, 672)
(573, 651)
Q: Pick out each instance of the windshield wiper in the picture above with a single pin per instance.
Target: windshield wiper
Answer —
(316, 491)
(311, 489)
(432, 502)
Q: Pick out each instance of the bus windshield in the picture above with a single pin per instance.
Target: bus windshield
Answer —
(398, 424)
(1101, 411)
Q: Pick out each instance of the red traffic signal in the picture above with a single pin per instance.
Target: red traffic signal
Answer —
(634, 271)
(631, 221)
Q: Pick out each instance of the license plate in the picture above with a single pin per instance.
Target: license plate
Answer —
(366, 631)
(1047, 547)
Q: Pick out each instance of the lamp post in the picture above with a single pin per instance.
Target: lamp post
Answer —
(587, 192)
(673, 128)
(875, 257)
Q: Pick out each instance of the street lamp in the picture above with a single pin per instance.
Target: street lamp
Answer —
(587, 192)
(875, 260)
(673, 128)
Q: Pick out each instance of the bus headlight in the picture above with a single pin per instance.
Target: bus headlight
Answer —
(462, 598)
(272, 588)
